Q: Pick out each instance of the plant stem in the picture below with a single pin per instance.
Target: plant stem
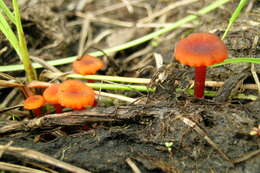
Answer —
(111, 78)
(30, 71)
(200, 77)
(37, 112)
(58, 108)
(121, 87)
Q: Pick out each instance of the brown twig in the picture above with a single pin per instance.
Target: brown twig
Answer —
(247, 156)
(18, 168)
(45, 64)
(35, 155)
(133, 166)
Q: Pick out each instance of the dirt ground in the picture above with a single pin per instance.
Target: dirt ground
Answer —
(167, 131)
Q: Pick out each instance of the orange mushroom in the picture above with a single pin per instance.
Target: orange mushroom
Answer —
(50, 95)
(87, 65)
(75, 94)
(34, 103)
(200, 50)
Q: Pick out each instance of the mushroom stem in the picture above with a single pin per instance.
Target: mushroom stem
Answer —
(37, 112)
(200, 77)
(58, 108)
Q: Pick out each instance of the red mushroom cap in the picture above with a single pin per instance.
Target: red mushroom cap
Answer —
(201, 49)
(33, 102)
(75, 94)
(50, 94)
(87, 65)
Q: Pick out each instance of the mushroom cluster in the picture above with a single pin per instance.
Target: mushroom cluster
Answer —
(73, 94)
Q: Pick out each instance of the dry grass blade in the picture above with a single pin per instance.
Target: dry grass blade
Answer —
(17, 168)
(115, 7)
(253, 70)
(139, 53)
(9, 108)
(5, 146)
(45, 64)
(128, 6)
(133, 166)
(247, 156)
(107, 20)
(166, 10)
(28, 153)
(7, 76)
(83, 37)
(8, 99)
(119, 97)
(5, 83)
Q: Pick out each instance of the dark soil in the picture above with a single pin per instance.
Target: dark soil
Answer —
(167, 131)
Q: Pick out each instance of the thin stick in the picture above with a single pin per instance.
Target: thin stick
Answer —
(133, 166)
(247, 156)
(253, 71)
(5, 147)
(116, 96)
(129, 6)
(18, 168)
(83, 36)
(28, 153)
(45, 64)
(8, 98)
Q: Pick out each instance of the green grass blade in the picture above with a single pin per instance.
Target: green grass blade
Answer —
(110, 78)
(19, 67)
(6, 11)
(141, 88)
(8, 33)
(234, 16)
(237, 60)
(30, 71)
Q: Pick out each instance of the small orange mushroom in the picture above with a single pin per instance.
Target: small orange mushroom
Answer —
(34, 103)
(50, 95)
(200, 50)
(75, 94)
(87, 65)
